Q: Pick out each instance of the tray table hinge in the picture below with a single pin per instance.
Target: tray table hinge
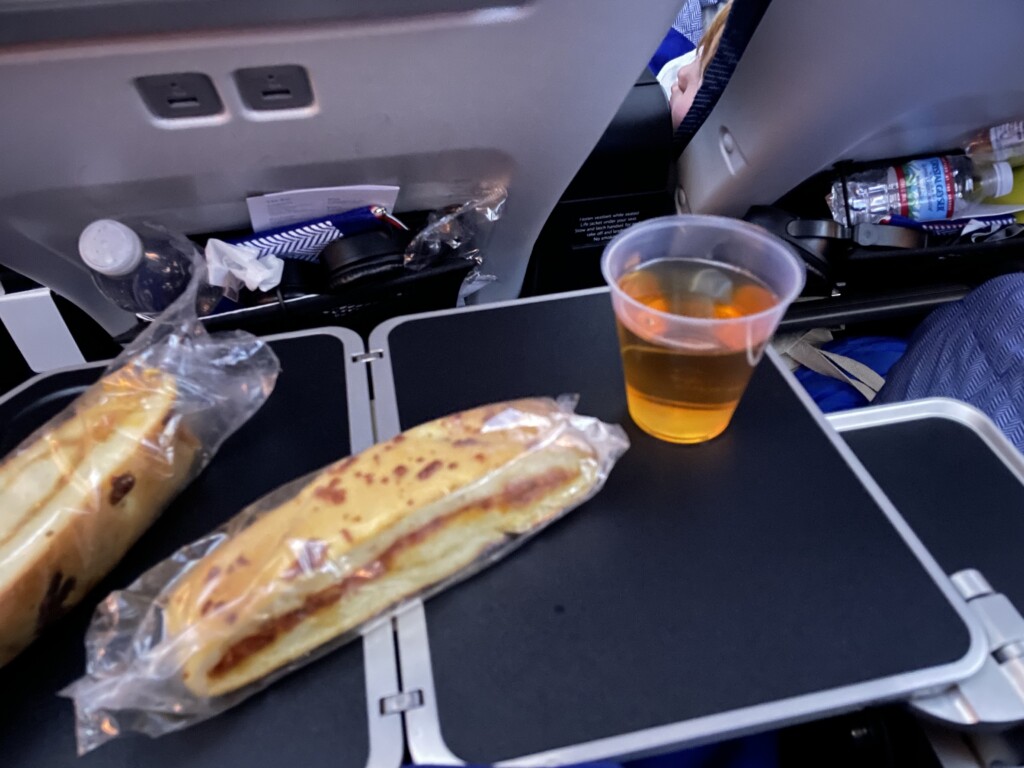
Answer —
(995, 694)
(368, 357)
(401, 702)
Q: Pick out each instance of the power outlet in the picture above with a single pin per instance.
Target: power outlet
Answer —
(184, 94)
(264, 89)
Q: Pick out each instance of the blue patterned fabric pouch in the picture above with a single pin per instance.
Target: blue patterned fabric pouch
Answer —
(972, 351)
(304, 241)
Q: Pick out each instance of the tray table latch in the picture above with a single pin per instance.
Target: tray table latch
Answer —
(995, 694)
(368, 357)
(401, 702)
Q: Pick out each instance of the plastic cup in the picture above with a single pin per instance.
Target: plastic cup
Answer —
(696, 300)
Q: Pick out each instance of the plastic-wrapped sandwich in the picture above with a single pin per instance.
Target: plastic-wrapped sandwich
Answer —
(76, 494)
(305, 568)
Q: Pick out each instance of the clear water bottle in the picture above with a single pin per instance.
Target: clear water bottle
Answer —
(948, 187)
(1000, 142)
(142, 268)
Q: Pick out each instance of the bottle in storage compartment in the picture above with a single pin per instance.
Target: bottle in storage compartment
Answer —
(142, 268)
(933, 188)
(1000, 142)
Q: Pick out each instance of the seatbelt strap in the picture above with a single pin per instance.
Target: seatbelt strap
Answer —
(804, 351)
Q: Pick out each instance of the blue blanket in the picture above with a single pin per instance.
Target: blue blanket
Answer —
(972, 351)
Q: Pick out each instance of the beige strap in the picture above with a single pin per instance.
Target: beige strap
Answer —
(803, 350)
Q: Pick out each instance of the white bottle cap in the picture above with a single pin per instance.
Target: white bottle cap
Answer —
(1004, 179)
(110, 248)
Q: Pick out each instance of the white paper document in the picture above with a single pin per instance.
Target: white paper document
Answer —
(282, 209)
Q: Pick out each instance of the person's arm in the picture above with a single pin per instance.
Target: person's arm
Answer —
(688, 80)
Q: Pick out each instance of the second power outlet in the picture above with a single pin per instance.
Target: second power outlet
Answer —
(272, 88)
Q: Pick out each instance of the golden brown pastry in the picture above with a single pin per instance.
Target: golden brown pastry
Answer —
(368, 531)
(81, 492)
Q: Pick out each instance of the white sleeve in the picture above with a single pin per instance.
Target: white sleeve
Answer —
(670, 72)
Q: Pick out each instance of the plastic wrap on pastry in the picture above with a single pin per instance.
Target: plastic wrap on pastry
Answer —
(79, 491)
(303, 570)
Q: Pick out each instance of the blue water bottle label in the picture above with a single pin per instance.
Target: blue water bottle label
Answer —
(926, 188)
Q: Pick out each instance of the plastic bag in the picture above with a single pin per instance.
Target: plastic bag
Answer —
(460, 231)
(307, 568)
(79, 491)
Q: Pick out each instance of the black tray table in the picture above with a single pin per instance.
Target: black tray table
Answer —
(711, 590)
(959, 482)
(326, 715)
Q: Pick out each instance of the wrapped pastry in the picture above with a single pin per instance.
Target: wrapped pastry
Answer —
(76, 494)
(303, 570)
(81, 492)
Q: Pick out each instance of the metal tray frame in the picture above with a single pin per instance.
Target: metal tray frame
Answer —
(422, 723)
(934, 408)
(423, 727)
(992, 697)
(380, 666)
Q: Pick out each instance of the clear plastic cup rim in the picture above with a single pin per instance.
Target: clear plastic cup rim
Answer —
(799, 273)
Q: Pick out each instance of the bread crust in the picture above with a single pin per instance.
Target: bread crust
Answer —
(79, 494)
(369, 531)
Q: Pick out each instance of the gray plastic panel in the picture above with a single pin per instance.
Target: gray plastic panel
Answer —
(827, 81)
(37, 328)
(440, 104)
(38, 21)
(710, 590)
(324, 715)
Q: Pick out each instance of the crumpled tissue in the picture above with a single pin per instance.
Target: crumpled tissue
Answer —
(232, 266)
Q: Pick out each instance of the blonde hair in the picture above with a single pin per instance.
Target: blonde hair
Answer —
(712, 37)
